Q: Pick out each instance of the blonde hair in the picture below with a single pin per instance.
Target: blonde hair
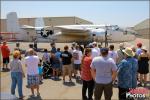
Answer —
(16, 53)
(31, 52)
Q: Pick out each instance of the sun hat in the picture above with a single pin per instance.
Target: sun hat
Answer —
(128, 51)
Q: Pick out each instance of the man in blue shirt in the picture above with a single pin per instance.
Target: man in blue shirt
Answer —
(53, 46)
(139, 50)
(127, 71)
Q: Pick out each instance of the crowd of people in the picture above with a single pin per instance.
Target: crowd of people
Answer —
(98, 68)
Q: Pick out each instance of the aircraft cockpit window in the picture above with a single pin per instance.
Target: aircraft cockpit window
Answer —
(115, 28)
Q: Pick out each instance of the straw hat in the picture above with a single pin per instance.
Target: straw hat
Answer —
(128, 51)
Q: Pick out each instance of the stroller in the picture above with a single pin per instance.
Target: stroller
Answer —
(47, 70)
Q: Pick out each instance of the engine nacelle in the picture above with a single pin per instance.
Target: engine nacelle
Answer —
(51, 32)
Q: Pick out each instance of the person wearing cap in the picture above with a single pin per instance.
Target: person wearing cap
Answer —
(139, 50)
(17, 74)
(120, 53)
(95, 50)
(103, 70)
(5, 54)
(127, 73)
(143, 70)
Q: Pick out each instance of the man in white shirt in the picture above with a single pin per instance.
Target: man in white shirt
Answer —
(77, 57)
(73, 47)
(95, 50)
(112, 54)
(31, 63)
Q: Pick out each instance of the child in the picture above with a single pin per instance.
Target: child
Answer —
(55, 65)
(40, 68)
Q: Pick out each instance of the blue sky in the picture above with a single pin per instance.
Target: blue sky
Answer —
(122, 13)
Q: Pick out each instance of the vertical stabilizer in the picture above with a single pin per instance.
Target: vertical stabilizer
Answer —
(12, 22)
(13, 26)
(39, 22)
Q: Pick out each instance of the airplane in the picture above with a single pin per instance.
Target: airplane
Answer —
(82, 34)
(40, 28)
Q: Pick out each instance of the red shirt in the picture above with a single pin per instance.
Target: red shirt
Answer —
(85, 70)
(5, 51)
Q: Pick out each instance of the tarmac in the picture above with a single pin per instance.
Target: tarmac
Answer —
(51, 89)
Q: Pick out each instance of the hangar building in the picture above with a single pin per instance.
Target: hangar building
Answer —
(49, 21)
(143, 28)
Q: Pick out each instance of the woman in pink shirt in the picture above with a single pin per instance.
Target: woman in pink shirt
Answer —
(88, 82)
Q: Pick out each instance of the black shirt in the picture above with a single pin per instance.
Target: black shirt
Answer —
(66, 57)
(53, 50)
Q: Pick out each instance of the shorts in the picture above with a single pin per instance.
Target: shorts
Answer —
(56, 66)
(67, 69)
(33, 80)
(6, 60)
(77, 66)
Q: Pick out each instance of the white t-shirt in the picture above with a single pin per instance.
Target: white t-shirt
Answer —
(77, 55)
(113, 55)
(71, 50)
(95, 52)
(32, 64)
(46, 57)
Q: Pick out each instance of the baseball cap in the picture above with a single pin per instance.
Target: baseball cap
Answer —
(104, 49)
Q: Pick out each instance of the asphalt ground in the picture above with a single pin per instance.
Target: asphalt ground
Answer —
(51, 89)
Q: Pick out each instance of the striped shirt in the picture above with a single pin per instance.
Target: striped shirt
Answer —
(16, 66)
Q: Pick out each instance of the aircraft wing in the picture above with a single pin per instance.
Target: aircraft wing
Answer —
(68, 30)
(28, 27)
